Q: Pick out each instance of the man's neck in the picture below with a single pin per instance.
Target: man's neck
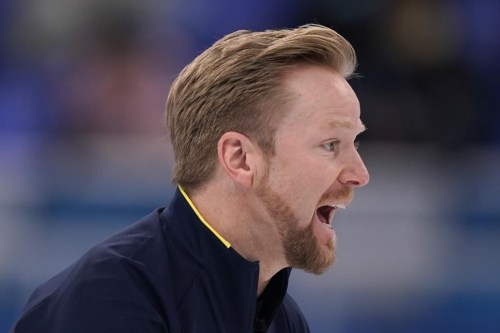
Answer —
(238, 219)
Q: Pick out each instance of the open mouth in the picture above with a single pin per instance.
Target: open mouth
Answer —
(325, 214)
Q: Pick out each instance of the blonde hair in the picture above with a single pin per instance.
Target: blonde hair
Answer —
(237, 85)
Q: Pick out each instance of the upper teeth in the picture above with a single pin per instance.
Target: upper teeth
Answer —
(341, 206)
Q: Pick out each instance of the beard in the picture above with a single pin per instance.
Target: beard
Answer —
(300, 245)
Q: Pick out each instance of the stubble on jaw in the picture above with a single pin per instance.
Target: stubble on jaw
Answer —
(301, 247)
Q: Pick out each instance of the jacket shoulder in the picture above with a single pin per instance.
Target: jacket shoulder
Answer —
(107, 290)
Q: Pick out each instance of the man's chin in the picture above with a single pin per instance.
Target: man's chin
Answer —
(318, 270)
(327, 261)
(308, 254)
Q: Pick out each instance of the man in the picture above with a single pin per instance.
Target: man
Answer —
(263, 126)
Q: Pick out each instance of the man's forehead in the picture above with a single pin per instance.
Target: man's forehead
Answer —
(322, 96)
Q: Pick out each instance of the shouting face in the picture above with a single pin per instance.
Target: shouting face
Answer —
(316, 166)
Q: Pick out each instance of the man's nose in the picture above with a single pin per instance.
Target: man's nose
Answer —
(355, 172)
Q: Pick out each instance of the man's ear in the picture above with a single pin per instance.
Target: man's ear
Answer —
(238, 157)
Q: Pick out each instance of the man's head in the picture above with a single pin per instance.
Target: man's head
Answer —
(237, 85)
(271, 118)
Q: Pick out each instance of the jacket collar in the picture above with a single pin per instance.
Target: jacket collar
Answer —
(236, 277)
(202, 219)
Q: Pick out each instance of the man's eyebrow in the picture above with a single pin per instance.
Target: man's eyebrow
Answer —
(345, 124)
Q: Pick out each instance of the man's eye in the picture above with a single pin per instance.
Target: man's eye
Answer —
(356, 145)
(330, 146)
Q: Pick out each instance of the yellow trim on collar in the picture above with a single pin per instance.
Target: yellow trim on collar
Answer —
(225, 242)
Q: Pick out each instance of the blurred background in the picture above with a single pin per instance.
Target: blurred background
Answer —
(83, 152)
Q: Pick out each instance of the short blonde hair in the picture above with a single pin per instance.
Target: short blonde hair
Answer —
(237, 85)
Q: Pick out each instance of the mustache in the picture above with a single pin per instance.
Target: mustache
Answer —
(344, 194)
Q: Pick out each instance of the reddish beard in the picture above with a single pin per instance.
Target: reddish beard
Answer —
(300, 244)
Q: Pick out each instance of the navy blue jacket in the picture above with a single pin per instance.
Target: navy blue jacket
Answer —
(166, 273)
